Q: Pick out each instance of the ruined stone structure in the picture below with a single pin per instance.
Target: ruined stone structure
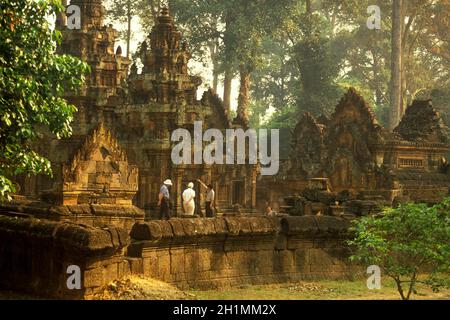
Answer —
(119, 154)
(127, 120)
(200, 253)
(362, 158)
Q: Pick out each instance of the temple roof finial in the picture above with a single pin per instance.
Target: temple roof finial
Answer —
(164, 11)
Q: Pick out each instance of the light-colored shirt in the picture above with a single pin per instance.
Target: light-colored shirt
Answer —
(164, 190)
(187, 194)
(210, 194)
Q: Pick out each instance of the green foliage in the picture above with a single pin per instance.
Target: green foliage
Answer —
(405, 241)
(32, 82)
(275, 82)
(284, 118)
(319, 67)
(306, 59)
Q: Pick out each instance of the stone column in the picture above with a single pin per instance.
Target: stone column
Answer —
(254, 175)
(177, 192)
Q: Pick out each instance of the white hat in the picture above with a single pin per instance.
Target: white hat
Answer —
(190, 185)
(168, 182)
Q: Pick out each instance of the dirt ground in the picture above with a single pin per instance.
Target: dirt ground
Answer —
(142, 288)
(320, 290)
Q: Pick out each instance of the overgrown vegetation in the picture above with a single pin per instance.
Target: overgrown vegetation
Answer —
(33, 80)
(406, 241)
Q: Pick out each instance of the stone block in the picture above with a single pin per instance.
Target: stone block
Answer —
(163, 262)
(280, 242)
(177, 263)
(220, 226)
(150, 230)
(233, 225)
(150, 263)
(166, 229)
(93, 277)
(192, 260)
(204, 256)
(177, 228)
(136, 265)
(319, 257)
(219, 261)
(294, 243)
(283, 261)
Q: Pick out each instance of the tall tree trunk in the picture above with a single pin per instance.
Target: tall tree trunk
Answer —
(129, 17)
(227, 88)
(405, 57)
(376, 70)
(215, 79)
(228, 77)
(244, 94)
(396, 64)
(213, 47)
(404, 97)
(308, 6)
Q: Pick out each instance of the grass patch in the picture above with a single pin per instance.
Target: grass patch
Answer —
(319, 290)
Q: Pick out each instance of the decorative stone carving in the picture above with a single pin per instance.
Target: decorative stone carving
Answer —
(166, 63)
(422, 122)
(94, 43)
(352, 132)
(355, 153)
(99, 172)
(307, 154)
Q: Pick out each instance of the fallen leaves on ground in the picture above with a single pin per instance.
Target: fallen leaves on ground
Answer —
(308, 287)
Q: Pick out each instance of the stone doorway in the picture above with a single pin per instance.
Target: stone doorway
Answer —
(238, 192)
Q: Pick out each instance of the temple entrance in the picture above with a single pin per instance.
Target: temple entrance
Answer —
(238, 192)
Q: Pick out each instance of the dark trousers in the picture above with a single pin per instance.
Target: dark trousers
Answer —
(164, 209)
(209, 210)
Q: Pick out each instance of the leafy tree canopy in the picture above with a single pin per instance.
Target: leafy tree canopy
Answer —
(33, 80)
(406, 241)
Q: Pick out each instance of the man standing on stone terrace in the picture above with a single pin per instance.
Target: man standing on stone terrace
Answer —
(164, 200)
(210, 199)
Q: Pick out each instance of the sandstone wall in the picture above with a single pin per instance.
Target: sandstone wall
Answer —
(96, 215)
(35, 255)
(218, 252)
(200, 253)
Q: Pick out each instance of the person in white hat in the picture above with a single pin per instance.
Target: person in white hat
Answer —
(188, 199)
(164, 200)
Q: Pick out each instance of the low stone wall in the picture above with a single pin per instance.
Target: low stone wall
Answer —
(35, 255)
(220, 252)
(192, 252)
(95, 215)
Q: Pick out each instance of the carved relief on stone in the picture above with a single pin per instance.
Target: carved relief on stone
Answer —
(307, 148)
(165, 63)
(100, 166)
(422, 122)
(352, 133)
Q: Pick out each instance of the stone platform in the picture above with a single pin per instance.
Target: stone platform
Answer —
(191, 253)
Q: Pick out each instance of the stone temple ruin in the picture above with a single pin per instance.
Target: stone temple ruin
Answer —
(357, 165)
(92, 212)
(120, 148)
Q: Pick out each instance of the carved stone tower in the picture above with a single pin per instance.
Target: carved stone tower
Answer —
(164, 78)
(94, 43)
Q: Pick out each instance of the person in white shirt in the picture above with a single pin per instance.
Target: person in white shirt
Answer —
(210, 199)
(188, 199)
